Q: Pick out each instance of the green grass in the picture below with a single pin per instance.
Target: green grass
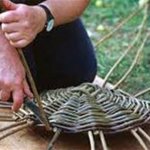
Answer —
(101, 17)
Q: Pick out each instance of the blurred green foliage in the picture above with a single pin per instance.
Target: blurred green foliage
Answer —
(100, 18)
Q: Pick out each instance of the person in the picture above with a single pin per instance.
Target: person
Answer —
(58, 58)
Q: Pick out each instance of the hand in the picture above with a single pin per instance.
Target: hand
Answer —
(12, 75)
(21, 23)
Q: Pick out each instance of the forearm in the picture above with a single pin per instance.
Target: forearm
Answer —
(12, 75)
(65, 11)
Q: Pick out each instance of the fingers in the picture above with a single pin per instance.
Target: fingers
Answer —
(5, 95)
(27, 90)
(10, 27)
(21, 25)
(16, 39)
(13, 36)
(18, 97)
(19, 44)
(8, 17)
(5, 92)
(7, 4)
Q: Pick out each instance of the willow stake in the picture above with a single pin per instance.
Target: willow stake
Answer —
(34, 89)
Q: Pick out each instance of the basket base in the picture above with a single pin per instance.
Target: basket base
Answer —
(38, 139)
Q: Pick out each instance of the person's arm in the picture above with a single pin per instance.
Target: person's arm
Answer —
(66, 10)
(22, 23)
(12, 74)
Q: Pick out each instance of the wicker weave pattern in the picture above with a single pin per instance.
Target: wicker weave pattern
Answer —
(90, 107)
(87, 108)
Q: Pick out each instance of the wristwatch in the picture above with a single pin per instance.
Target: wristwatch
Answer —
(50, 18)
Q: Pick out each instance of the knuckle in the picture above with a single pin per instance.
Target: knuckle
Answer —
(11, 15)
(7, 83)
(4, 80)
(6, 96)
(24, 11)
(11, 84)
(26, 24)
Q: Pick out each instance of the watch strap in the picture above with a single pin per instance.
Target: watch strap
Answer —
(49, 16)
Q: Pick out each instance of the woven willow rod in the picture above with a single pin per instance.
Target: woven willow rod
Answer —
(110, 34)
(13, 125)
(91, 140)
(137, 37)
(102, 138)
(139, 139)
(141, 131)
(15, 130)
(133, 63)
(34, 89)
(142, 92)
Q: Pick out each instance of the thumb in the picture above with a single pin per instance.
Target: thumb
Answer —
(8, 5)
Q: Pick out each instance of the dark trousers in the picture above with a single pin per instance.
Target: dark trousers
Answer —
(61, 58)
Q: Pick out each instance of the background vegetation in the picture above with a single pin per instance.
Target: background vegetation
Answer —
(101, 17)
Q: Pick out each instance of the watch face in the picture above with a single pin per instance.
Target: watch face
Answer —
(50, 25)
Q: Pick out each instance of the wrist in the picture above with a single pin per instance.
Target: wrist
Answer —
(49, 17)
(41, 17)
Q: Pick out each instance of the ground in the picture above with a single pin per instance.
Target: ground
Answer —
(33, 140)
